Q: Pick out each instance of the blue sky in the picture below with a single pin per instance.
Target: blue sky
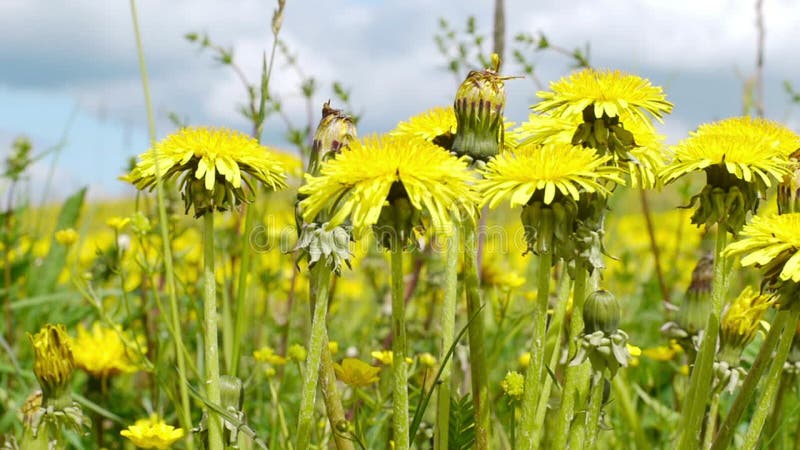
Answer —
(74, 62)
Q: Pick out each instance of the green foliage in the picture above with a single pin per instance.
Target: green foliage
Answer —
(462, 423)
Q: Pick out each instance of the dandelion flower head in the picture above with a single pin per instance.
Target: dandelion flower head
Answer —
(152, 433)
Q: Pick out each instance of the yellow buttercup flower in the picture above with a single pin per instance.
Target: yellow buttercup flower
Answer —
(546, 169)
(152, 433)
(773, 243)
(212, 162)
(610, 92)
(356, 373)
(67, 236)
(746, 153)
(268, 355)
(358, 182)
(103, 352)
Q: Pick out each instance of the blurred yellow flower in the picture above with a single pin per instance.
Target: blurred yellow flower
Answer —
(427, 360)
(333, 347)
(386, 357)
(662, 352)
(296, 352)
(267, 355)
(118, 223)
(356, 373)
(524, 359)
(67, 236)
(152, 433)
(103, 352)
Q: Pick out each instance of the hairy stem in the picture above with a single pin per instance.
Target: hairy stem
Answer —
(399, 369)
(448, 335)
(210, 339)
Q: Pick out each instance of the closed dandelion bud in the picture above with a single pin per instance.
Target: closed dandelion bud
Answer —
(53, 364)
(696, 305)
(335, 131)
(479, 105)
(601, 312)
(789, 189)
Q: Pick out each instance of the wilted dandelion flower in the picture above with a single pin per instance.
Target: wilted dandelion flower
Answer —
(356, 373)
(212, 162)
(53, 362)
(103, 352)
(358, 182)
(152, 433)
(772, 243)
(741, 320)
(545, 170)
(609, 92)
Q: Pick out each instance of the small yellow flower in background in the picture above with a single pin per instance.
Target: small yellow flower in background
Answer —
(267, 355)
(386, 357)
(635, 352)
(103, 352)
(211, 162)
(356, 373)
(427, 360)
(54, 363)
(684, 370)
(296, 352)
(360, 179)
(549, 169)
(611, 92)
(67, 236)
(333, 347)
(118, 223)
(270, 372)
(663, 352)
(524, 359)
(513, 385)
(152, 433)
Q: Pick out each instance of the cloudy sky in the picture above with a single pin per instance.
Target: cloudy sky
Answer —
(69, 68)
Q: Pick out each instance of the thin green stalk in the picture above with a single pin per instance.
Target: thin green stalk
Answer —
(711, 422)
(240, 323)
(773, 380)
(448, 319)
(477, 350)
(595, 407)
(748, 388)
(577, 432)
(185, 412)
(333, 402)
(554, 337)
(628, 409)
(567, 409)
(774, 430)
(210, 339)
(702, 374)
(321, 276)
(399, 365)
(533, 375)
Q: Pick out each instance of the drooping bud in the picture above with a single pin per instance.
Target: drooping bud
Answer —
(601, 312)
(54, 363)
(479, 106)
(696, 306)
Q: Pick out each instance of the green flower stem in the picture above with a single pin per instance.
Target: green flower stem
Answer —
(477, 351)
(774, 433)
(702, 374)
(399, 365)
(533, 375)
(628, 409)
(448, 319)
(240, 323)
(595, 406)
(210, 339)
(773, 380)
(333, 402)
(746, 392)
(554, 338)
(577, 432)
(567, 410)
(40, 442)
(185, 412)
(321, 278)
(711, 422)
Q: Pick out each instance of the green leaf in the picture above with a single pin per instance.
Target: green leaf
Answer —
(45, 276)
(462, 423)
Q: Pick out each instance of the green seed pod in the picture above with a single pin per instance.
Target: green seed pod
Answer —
(601, 312)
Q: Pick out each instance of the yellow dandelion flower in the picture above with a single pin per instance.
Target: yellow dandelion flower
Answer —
(746, 154)
(67, 236)
(610, 92)
(356, 373)
(742, 317)
(152, 433)
(773, 243)
(546, 169)
(103, 352)
(267, 355)
(435, 122)
(358, 181)
(212, 161)
(784, 140)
